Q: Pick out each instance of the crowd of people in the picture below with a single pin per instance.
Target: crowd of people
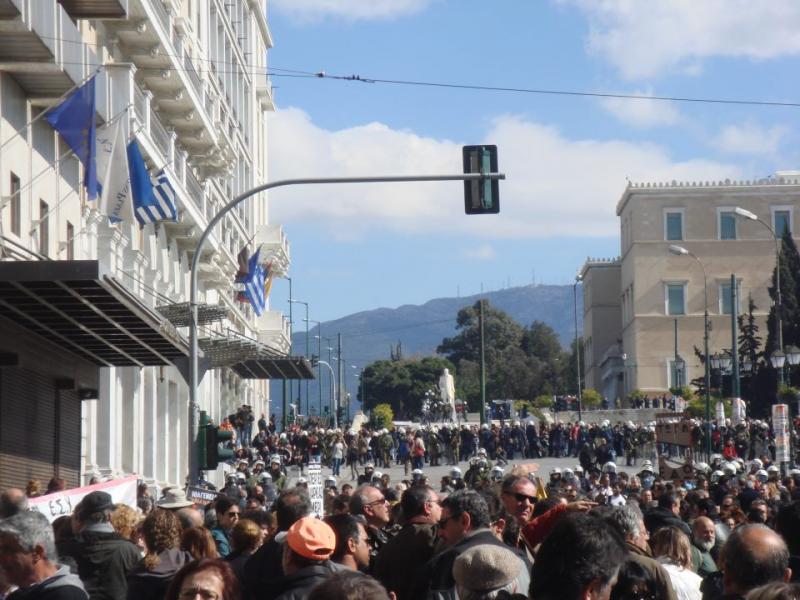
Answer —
(729, 528)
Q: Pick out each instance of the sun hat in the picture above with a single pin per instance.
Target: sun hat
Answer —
(485, 568)
(174, 498)
(311, 538)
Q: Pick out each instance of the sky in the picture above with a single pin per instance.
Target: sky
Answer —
(567, 158)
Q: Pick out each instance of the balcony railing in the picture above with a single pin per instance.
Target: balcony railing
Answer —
(161, 14)
(194, 189)
(161, 136)
(194, 78)
(141, 105)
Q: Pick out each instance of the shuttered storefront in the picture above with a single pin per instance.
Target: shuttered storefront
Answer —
(40, 429)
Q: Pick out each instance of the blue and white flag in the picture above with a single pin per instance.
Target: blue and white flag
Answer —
(254, 284)
(112, 167)
(153, 201)
(74, 119)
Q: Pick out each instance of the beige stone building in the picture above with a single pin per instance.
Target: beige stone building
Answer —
(635, 307)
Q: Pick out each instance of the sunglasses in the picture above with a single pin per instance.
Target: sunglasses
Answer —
(232, 513)
(380, 501)
(443, 521)
(522, 497)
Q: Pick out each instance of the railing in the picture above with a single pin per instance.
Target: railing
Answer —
(161, 15)
(194, 78)
(140, 105)
(179, 165)
(194, 189)
(160, 135)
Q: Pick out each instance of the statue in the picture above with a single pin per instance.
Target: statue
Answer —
(447, 389)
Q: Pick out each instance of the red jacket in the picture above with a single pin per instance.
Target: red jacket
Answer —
(539, 528)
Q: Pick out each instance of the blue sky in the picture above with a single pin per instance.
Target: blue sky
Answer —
(566, 158)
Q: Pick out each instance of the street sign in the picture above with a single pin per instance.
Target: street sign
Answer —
(780, 425)
(481, 196)
(315, 491)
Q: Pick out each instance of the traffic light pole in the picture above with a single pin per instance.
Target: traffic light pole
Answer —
(194, 377)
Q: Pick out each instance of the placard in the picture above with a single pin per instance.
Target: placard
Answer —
(720, 413)
(59, 504)
(315, 488)
(739, 411)
(780, 426)
(201, 496)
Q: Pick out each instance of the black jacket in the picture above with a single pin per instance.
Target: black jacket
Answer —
(104, 560)
(153, 584)
(261, 570)
(656, 518)
(298, 585)
(436, 579)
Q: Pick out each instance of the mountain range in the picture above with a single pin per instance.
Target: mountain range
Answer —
(370, 335)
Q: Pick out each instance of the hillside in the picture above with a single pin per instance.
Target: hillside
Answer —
(368, 335)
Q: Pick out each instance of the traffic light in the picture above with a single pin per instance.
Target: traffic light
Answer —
(481, 196)
(340, 415)
(210, 439)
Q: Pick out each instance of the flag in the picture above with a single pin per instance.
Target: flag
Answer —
(153, 201)
(74, 119)
(254, 284)
(112, 169)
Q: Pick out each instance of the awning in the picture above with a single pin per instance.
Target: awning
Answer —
(285, 367)
(251, 359)
(79, 306)
(180, 314)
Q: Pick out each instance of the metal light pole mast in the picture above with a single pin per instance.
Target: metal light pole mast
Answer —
(288, 383)
(194, 374)
(483, 366)
(735, 384)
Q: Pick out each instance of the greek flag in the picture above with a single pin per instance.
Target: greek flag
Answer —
(153, 198)
(254, 284)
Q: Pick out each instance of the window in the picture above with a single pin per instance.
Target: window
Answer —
(44, 228)
(675, 294)
(15, 208)
(725, 298)
(676, 373)
(70, 241)
(673, 225)
(782, 219)
(727, 224)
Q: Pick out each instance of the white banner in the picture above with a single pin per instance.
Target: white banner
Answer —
(780, 425)
(315, 491)
(739, 412)
(52, 506)
(720, 413)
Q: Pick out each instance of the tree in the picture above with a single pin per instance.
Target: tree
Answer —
(591, 398)
(790, 297)
(382, 417)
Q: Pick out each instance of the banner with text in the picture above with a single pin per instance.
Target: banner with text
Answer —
(315, 491)
(780, 425)
(52, 506)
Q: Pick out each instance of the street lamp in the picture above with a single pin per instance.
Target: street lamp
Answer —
(681, 251)
(319, 358)
(750, 216)
(292, 300)
(578, 279)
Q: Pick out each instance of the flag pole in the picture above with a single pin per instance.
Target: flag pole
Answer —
(46, 110)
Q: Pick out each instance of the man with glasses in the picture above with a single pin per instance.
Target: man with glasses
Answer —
(401, 559)
(464, 524)
(227, 517)
(369, 502)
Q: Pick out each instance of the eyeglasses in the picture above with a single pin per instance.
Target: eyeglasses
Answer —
(522, 497)
(193, 592)
(232, 513)
(379, 501)
(443, 521)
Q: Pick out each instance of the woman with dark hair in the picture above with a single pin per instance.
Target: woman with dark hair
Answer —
(208, 578)
(634, 582)
(164, 557)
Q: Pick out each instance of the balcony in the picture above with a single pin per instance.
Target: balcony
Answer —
(274, 248)
(96, 9)
(43, 50)
(264, 92)
(151, 40)
(273, 331)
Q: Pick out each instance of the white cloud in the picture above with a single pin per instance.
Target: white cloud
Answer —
(480, 252)
(355, 10)
(555, 186)
(642, 113)
(750, 139)
(643, 38)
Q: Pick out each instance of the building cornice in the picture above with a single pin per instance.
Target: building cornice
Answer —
(770, 185)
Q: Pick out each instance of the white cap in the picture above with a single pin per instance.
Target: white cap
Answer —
(555, 471)
(569, 472)
(773, 469)
(762, 473)
(301, 480)
(416, 472)
(497, 469)
(578, 469)
(264, 476)
(455, 471)
(377, 475)
(729, 468)
(609, 467)
(756, 462)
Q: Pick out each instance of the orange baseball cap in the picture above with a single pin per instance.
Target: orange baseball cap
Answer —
(311, 538)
